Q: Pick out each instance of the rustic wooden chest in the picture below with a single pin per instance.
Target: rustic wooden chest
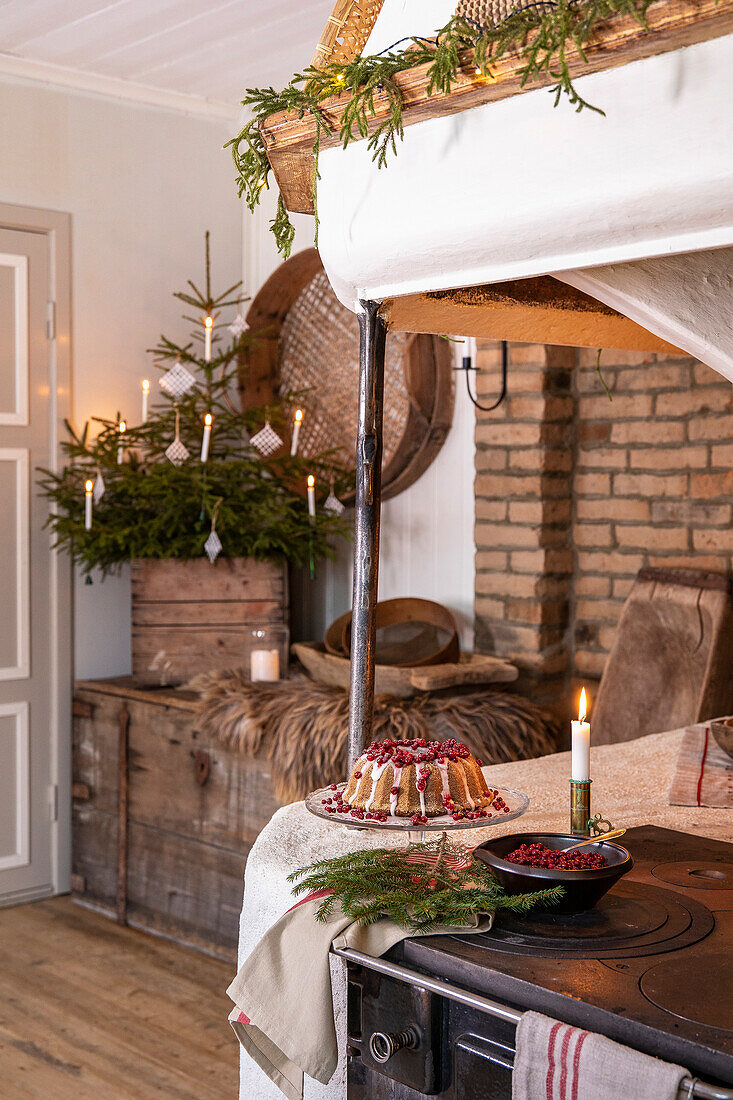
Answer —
(162, 819)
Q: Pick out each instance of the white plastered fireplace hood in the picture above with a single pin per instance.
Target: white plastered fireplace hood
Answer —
(634, 208)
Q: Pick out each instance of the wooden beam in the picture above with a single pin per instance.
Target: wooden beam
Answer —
(535, 311)
(671, 24)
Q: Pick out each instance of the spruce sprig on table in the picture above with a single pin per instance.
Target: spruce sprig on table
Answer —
(385, 882)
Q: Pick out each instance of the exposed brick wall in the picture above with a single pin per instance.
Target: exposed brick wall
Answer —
(575, 493)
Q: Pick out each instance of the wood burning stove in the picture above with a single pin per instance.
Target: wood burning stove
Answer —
(650, 967)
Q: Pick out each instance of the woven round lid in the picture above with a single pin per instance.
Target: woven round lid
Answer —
(310, 345)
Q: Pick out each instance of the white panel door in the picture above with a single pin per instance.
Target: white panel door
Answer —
(27, 810)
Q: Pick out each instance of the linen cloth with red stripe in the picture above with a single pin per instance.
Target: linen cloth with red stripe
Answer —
(283, 1014)
(555, 1061)
(703, 774)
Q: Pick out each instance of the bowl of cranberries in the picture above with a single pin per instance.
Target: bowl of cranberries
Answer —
(523, 862)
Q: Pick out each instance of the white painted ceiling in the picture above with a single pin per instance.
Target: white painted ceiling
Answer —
(200, 52)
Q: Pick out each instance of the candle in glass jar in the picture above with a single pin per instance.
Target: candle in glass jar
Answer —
(264, 664)
(88, 491)
(297, 419)
(206, 437)
(580, 756)
(311, 497)
(145, 385)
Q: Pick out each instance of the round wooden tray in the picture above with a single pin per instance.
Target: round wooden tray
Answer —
(308, 341)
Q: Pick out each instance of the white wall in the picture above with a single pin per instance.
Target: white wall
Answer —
(142, 185)
(427, 546)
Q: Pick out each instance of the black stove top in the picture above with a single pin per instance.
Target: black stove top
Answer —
(651, 966)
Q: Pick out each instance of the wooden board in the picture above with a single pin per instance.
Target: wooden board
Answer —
(671, 25)
(188, 840)
(189, 616)
(540, 310)
(89, 1009)
(474, 668)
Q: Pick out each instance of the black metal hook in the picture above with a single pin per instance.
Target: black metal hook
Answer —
(467, 368)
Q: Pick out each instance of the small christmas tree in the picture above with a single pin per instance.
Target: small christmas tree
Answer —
(190, 479)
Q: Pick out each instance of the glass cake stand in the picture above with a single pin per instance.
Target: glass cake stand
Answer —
(517, 801)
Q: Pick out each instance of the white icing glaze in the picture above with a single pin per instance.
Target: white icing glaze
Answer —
(393, 797)
(443, 769)
(422, 801)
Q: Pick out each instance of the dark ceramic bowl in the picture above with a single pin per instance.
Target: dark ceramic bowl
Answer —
(583, 889)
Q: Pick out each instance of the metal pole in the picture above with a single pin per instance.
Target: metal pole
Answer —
(373, 331)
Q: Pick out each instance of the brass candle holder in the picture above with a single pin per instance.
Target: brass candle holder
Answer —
(580, 807)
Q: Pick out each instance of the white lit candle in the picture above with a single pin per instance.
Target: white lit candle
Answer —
(580, 763)
(88, 490)
(208, 326)
(297, 419)
(121, 429)
(145, 385)
(206, 437)
(311, 497)
(264, 664)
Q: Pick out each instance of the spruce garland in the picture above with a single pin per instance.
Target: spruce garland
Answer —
(540, 37)
(419, 887)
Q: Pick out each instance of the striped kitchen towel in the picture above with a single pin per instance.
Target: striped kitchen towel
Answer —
(703, 775)
(555, 1061)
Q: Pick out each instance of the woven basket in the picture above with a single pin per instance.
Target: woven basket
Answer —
(492, 12)
(309, 343)
(346, 32)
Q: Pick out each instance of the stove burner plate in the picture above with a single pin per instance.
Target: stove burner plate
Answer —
(697, 876)
(683, 987)
(632, 919)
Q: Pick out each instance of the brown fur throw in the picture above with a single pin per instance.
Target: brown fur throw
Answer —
(302, 725)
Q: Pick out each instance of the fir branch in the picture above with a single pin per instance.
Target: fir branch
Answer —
(384, 882)
(540, 37)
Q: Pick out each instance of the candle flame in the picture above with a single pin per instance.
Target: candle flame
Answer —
(208, 322)
(207, 420)
(478, 71)
(311, 481)
(122, 427)
(145, 385)
(582, 707)
(298, 415)
(88, 486)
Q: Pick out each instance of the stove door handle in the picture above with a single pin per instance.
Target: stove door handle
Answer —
(691, 1087)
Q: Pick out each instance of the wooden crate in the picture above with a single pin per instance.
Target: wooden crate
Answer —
(191, 616)
(191, 810)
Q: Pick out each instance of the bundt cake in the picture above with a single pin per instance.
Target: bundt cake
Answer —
(417, 779)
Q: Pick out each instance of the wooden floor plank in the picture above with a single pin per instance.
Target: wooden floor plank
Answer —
(88, 1008)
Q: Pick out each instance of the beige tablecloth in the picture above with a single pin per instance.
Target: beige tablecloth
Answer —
(630, 787)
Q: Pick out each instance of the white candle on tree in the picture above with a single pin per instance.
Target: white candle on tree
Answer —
(145, 385)
(580, 757)
(206, 437)
(297, 420)
(208, 326)
(121, 429)
(312, 497)
(88, 490)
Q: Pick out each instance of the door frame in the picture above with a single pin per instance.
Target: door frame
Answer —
(56, 226)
